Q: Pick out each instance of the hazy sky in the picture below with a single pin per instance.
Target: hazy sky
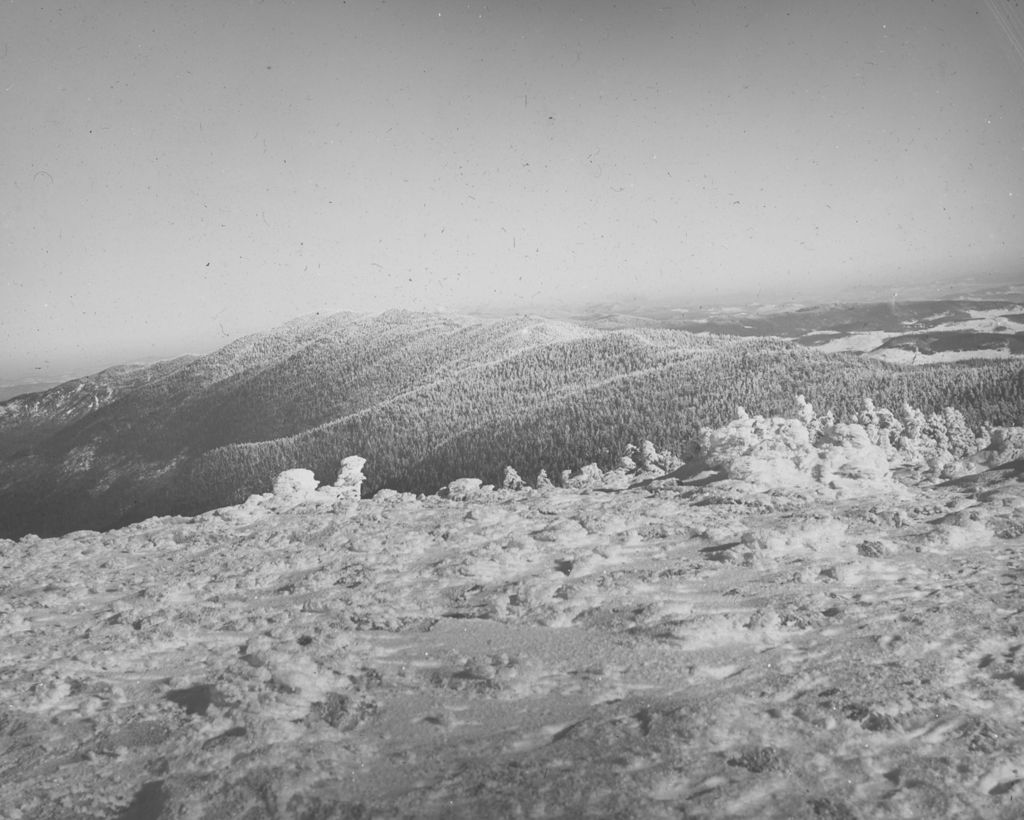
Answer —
(177, 173)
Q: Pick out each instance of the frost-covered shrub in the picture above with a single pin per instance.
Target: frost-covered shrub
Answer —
(1005, 444)
(511, 480)
(937, 443)
(847, 452)
(760, 450)
(881, 425)
(648, 459)
(589, 475)
(984, 439)
(913, 422)
(804, 411)
(350, 476)
(934, 431)
(808, 449)
(617, 479)
(960, 439)
(814, 423)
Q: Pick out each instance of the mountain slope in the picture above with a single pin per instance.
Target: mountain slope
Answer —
(426, 398)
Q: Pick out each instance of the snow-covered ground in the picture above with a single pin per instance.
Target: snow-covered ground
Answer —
(857, 342)
(984, 321)
(981, 321)
(784, 631)
(900, 356)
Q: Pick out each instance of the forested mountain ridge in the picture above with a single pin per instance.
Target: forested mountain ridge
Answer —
(63, 402)
(426, 398)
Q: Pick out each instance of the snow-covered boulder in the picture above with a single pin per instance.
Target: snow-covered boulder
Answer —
(295, 485)
(462, 488)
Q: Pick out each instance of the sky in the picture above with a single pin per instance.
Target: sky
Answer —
(176, 174)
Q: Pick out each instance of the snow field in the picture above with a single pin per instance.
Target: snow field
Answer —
(770, 643)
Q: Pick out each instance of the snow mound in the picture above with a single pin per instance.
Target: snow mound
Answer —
(462, 488)
(295, 485)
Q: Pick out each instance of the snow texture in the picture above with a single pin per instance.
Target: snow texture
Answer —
(805, 621)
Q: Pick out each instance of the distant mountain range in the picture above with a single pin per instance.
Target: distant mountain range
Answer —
(918, 332)
(10, 391)
(427, 398)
